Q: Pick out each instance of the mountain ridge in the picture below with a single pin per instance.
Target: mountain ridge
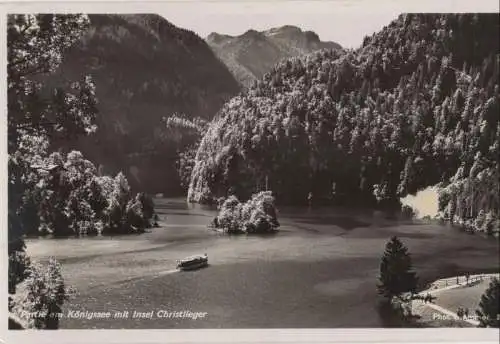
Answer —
(253, 53)
(415, 106)
(145, 68)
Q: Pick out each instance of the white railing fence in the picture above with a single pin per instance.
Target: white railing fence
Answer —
(463, 280)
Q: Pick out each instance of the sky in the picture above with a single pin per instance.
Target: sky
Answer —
(331, 20)
(343, 21)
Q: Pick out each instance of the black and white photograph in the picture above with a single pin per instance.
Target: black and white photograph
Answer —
(252, 165)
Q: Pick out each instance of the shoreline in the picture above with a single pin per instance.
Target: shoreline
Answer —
(335, 254)
(441, 316)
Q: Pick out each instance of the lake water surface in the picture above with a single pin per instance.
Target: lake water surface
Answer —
(319, 271)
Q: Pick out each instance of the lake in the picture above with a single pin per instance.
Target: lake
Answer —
(320, 270)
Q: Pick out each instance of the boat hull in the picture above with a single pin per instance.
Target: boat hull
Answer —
(193, 266)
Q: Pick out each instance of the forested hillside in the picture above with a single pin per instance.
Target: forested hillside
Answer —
(145, 69)
(414, 106)
(254, 53)
(48, 192)
(183, 133)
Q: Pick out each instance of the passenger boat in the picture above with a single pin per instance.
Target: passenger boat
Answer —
(193, 262)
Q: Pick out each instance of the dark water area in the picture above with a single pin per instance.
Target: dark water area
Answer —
(319, 271)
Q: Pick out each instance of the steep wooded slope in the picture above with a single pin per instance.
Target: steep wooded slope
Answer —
(144, 68)
(416, 105)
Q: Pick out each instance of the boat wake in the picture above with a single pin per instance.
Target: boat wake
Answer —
(166, 272)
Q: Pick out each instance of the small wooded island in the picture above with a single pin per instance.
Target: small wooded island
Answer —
(257, 215)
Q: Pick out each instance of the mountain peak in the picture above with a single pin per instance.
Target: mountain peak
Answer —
(312, 36)
(217, 38)
(252, 34)
(285, 28)
(252, 54)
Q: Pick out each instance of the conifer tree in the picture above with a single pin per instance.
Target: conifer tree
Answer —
(396, 271)
(386, 120)
(489, 312)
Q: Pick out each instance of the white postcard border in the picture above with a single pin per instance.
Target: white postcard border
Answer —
(310, 336)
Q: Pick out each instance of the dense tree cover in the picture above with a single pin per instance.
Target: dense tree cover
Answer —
(40, 296)
(257, 215)
(50, 192)
(181, 135)
(414, 106)
(489, 306)
(72, 199)
(35, 47)
(145, 68)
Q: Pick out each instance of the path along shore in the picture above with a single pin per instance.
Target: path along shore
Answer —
(438, 286)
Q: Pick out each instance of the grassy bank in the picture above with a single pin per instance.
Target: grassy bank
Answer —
(452, 293)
